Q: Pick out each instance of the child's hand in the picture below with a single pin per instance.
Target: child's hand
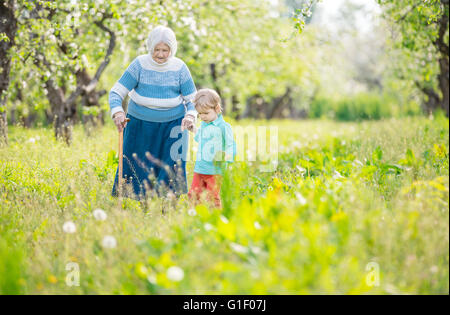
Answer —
(188, 123)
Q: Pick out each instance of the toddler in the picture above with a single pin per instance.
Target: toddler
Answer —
(216, 147)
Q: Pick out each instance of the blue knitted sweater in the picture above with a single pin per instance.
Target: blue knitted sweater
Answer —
(158, 92)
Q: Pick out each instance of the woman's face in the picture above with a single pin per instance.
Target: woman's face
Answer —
(161, 53)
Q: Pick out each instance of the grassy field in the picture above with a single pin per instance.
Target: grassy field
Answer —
(353, 208)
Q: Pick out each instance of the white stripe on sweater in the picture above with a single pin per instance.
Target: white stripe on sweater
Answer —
(155, 103)
(120, 89)
(190, 97)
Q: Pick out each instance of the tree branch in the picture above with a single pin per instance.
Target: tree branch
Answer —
(106, 60)
(443, 26)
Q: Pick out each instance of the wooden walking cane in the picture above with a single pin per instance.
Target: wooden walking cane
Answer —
(121, 160)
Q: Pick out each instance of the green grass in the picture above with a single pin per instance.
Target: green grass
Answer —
(344, 195)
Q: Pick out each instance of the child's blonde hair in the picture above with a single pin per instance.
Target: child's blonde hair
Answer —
(207, 98)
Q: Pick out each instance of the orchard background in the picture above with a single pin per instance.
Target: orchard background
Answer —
(357, 200)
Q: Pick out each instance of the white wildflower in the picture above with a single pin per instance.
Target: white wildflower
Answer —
(224, 219)
(175, 273)
(100, 215)
(357, 162)
(109, 242)
(192, 212)
(151, 279)
(255, 249)
(32, 140)
(337, 175)
(69, 227)
(300, 198)
(238, 248)
(301, 169)
(208, 227)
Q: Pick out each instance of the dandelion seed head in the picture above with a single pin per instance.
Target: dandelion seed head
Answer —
(109, 242)
(175, 273)
(100, 215)
(151, 279)
(69, 227)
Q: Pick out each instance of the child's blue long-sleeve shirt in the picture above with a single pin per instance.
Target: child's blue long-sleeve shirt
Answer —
(212, 138)
(158, 92)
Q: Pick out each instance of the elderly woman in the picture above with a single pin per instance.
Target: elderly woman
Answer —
(160, 110)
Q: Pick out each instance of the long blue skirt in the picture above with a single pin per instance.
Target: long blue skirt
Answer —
(154, 158)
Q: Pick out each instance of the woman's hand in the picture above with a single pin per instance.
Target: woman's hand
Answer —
(188, 123)
(120, 121)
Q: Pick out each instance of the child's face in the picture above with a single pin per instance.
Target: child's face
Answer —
(208, 115)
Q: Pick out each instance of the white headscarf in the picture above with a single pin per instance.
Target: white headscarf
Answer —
(162, 34)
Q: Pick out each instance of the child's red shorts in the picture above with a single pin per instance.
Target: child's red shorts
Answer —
(208, 183)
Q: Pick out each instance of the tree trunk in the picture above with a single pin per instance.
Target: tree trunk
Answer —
(444, 84)
(235, 109)
(63, 112)
(90, 99)
(8, 26)
(279, 104)
(433, 100)
(442, 47)
(214, 77)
